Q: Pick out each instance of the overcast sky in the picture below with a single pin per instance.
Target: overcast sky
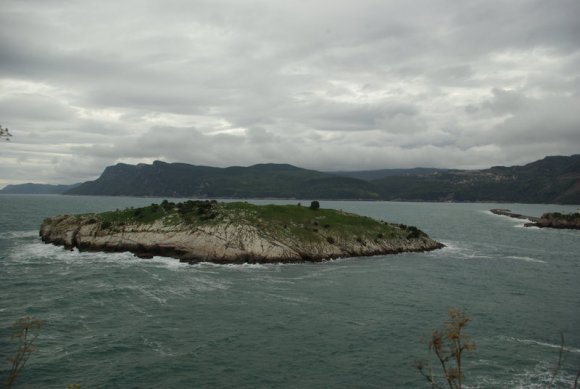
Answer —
(322, 84)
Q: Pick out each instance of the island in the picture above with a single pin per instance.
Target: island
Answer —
(234, 232)
(569, 221)
(547, 220)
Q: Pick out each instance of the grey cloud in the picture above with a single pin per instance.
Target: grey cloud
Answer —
(259, 135)
(505, 101)
(554, 120)
(354, 84)
(33, 107)
(335, 116)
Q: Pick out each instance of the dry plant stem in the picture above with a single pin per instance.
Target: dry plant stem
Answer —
(443, 360)
(559, 365)
(23, 327)
(448, 345)
(429, 377)
(576, 380)
(432, 378)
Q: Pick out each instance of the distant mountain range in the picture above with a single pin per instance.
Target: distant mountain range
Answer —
(30, 188)
(550, 180)
(370, 175)
(554, 180)
(162, 179)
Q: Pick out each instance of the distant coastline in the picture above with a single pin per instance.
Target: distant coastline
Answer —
(552, 180)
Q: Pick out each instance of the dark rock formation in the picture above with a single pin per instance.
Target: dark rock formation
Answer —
(548, 220)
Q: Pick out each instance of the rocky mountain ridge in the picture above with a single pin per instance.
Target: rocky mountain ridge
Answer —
(554, 179)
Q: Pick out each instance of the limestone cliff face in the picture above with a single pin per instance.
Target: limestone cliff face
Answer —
(223, 242)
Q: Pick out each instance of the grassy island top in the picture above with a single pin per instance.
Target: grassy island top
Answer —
(307, 222)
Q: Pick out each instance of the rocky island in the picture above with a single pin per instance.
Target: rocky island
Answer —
(237, 232)
(569, 221)
(547, 220)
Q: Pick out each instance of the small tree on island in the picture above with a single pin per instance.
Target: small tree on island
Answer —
(314, 205)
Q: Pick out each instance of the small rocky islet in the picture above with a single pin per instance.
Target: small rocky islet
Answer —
(547, 220)
(234, 232)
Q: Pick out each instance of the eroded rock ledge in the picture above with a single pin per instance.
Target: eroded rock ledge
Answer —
(208, 231)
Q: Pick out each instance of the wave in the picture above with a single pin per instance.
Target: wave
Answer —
(235, 266)
(523, 225)
(158, 347)
(19, 234)
(460, 251)
(574, 350)
(538, 378)
(39, 252)
(526, 259)
(271, 266)
(36, 252)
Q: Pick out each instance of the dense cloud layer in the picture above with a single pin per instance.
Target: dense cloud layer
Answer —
(330, 85)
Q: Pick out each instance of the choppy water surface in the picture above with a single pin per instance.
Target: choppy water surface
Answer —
(113, 320)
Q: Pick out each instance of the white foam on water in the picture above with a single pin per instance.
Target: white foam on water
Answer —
(139, 310)
(166, 262)
(526, 259)
(36, 252)
(347, 259)
(523, 225)
(127, 259)
(206, 284)
(277, 266)
(148, 293)
(574, 350)
(459, 251)
(157, 347)
(532, 379)
(236, 266)
(19, 234)
(539, 376)
(272, 280)
(39, 252)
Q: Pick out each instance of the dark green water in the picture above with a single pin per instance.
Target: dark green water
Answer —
(116, 321)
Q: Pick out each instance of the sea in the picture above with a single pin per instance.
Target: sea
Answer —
(112, 320)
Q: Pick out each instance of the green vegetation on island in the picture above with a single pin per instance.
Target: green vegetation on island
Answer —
(307, 222)
(559, 220)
